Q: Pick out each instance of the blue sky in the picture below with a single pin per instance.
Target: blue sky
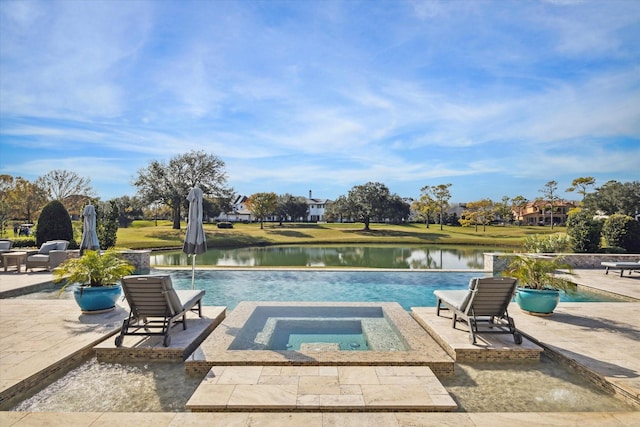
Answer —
(495, 97)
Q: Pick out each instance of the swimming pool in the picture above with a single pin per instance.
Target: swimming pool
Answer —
(229, 287)
(409, 289)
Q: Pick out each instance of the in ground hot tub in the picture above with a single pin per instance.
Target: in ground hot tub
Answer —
(318, 328)
(254, 333)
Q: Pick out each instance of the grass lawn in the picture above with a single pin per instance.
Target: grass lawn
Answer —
(145, 234)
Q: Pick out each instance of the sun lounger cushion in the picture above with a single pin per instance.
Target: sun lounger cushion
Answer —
(459, 299)
(48, 247)
(184, 300)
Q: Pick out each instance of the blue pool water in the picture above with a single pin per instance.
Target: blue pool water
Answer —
(409, 289)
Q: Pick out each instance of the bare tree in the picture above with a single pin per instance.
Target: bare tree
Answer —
(66, 186)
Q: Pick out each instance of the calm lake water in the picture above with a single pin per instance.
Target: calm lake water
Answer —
(380, 256)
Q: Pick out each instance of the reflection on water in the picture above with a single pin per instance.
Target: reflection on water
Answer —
(526, 387)
(409, 257)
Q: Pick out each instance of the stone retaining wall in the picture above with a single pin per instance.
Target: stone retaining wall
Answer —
(497, 262)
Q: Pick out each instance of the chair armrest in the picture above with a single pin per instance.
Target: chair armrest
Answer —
(56, 258)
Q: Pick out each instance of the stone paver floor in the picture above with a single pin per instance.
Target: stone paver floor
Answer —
(318, 388)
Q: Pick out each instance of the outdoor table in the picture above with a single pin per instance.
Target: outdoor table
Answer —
(14, 258)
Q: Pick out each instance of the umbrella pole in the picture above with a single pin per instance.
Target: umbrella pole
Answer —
(193, 271)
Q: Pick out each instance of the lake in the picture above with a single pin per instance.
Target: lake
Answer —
(360, 256)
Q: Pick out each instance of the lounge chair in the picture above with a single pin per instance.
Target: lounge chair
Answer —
(485, 301)
(5, 246)
(50, 255)
(156, 306)
(622, 266)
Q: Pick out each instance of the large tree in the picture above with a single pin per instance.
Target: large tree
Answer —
(290, 206)
(262, 206)
(25, 199)
(615, 197)
(169, 183)
(337, 210)
(68, 187)
(367, 202)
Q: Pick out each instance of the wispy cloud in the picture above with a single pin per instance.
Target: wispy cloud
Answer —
(324, 94)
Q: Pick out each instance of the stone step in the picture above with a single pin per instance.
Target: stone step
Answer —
(321, 388)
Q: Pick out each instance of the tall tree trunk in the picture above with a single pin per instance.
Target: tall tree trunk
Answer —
(176, 216)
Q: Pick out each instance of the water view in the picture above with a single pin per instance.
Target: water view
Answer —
(363, 256)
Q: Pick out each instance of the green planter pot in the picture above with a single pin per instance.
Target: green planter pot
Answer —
(97, 300)
(540, 302)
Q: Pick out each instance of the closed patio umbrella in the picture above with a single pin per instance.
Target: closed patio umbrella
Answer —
(195, 241)
(89, 236)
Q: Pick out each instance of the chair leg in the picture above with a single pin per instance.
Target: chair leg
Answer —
(438, 307)
(472, 332)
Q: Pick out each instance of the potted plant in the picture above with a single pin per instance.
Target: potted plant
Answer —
(97, 276)
(539, 287)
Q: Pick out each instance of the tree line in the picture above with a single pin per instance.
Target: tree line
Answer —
(162, 188)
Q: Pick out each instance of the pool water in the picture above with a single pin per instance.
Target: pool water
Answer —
(408, 288)
(544, 386)
(292, 334)
(480, 387)
(133, 387)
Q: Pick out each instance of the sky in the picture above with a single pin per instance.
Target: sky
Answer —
(495, 97)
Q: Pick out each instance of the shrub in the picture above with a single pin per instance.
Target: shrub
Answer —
(107, 224)
(546, 244)
(622, 231)
(54, 223)
(584, 232)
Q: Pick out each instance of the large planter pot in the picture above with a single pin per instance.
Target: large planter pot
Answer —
(540, 302)
(98, 299)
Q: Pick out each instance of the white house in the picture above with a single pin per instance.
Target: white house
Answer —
(239, 213)
(316, 208)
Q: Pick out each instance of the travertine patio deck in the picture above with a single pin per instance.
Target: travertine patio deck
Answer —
(610, 342)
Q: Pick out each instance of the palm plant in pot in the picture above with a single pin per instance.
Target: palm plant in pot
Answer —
(539, 287)
(97, 275)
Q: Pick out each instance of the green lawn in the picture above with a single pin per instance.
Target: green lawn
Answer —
(144, 234)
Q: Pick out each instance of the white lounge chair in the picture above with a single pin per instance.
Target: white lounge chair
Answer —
(622, 266)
